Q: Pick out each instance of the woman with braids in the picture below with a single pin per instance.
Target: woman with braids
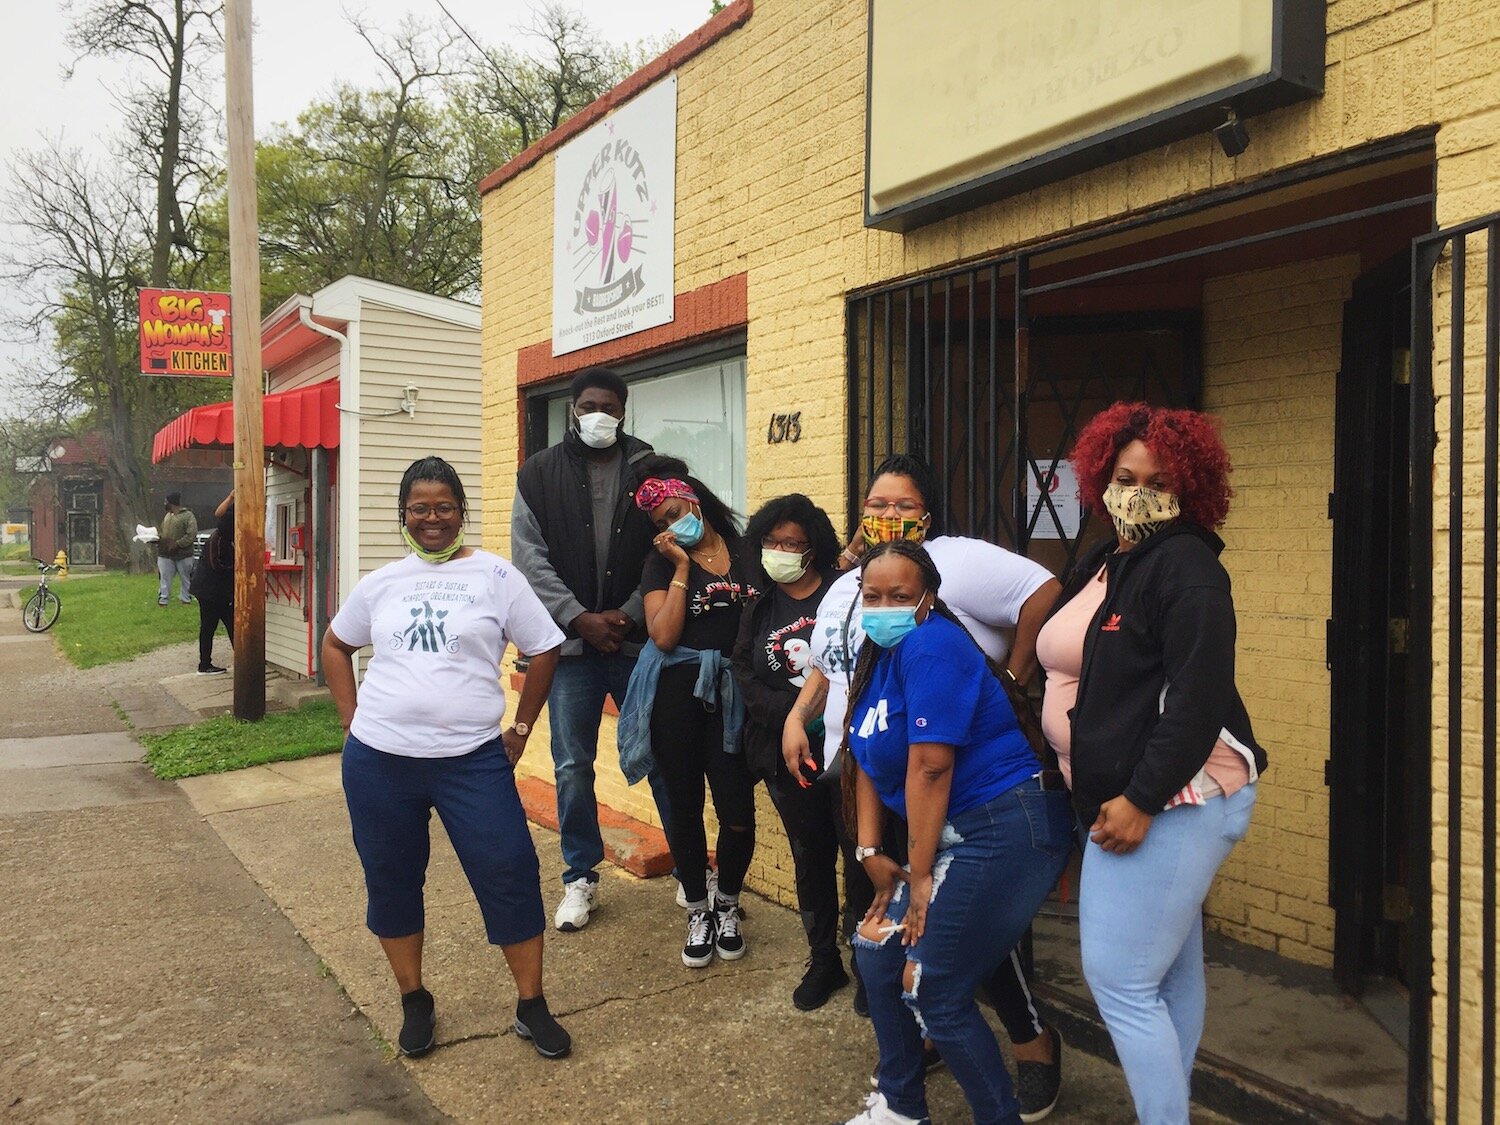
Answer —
(932, 738)
(1002, 599)
(772, 658)
(684, 693)
(423, 732)
(1142, 710)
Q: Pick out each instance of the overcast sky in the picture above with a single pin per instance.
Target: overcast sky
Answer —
(302, 48)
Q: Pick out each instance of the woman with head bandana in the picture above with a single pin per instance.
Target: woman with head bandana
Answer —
(1142, 710)
(695, 587)
(1002, 599)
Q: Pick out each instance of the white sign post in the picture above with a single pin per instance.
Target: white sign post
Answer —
(614, 223)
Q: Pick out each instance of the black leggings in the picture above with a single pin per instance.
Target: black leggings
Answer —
(688, 744)
(815, 829)
(210, 613)
(1006, 990)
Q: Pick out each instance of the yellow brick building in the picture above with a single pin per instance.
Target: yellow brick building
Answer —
(1277, 288)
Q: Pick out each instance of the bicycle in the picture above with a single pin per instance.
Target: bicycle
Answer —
(44, 607)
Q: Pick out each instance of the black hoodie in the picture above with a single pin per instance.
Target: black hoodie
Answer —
(1167, 622)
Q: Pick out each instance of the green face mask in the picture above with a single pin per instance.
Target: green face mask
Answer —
(433, 556)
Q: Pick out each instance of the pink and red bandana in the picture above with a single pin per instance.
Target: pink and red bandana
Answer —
(654, 492)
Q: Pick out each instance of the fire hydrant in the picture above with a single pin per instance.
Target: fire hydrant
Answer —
(61, 562)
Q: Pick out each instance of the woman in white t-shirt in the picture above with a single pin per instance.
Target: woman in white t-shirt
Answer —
(424, 732)
(1002, 599)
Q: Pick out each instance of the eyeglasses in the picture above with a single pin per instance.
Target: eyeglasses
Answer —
(422, 511)
(907, 509)
(796, 546)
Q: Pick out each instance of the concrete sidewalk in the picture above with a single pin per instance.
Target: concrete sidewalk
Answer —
(654, 1041)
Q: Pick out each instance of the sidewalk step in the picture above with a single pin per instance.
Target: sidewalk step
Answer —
(628, 843)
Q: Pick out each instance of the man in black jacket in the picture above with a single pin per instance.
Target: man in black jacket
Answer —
(579, 539)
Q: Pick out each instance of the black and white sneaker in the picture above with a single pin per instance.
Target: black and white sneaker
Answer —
(729, 942)
(419, 1024)
(212, 670)
(699, 949)
(535, 1023)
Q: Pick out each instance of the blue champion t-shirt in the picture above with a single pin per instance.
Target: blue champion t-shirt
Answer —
(934, 686)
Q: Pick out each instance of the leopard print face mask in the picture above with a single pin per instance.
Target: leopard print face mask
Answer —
(1139, 512)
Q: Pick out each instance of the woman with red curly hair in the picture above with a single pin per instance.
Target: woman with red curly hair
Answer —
(1142, 710)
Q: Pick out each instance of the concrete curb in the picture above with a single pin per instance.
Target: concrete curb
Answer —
(628, 843)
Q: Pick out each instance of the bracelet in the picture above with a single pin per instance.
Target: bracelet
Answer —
(679, 583)
(850, 555)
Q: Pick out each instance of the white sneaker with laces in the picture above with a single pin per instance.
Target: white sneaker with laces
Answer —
(580, 899)
(712, 878)
(729, 942)
(878, 1111)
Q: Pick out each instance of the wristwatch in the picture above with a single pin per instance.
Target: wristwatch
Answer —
(862, 853)
(523, 729)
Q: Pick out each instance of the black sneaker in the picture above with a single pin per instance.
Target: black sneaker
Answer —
(419, 1027)
(1038, 1085)
(699, 948)
(729, 941)
(861, 1001)
(212, 670)
(535, 1022)
(825, 975)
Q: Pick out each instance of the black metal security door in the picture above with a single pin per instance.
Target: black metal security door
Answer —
(953, 369)
(1370, 813)
(1456, 283)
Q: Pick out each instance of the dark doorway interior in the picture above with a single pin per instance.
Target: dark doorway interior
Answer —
(1369, 634)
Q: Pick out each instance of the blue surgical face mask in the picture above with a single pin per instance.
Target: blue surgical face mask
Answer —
(687, 529)
(887, 625)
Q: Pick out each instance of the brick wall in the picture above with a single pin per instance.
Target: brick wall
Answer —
(769, 184)
(1271, 343)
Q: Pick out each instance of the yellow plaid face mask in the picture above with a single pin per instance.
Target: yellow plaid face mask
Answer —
(887, 529)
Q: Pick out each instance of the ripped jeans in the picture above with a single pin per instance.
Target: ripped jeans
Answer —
(995, 865)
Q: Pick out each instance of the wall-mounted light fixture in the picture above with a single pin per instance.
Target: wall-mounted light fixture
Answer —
(1232, 136)
(407, 405)
(409, 399)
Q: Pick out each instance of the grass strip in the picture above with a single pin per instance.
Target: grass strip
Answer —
(114, 617)
(225, 743)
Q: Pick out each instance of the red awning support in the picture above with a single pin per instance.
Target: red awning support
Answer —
(306, 418)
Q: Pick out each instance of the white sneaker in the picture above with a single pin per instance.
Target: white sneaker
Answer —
(711, 877)
(878, 1111)
(580, 899)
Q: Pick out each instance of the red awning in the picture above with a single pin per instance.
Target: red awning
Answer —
(306, 418)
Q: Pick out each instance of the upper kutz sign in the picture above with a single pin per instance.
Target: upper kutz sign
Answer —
(614, 224)
(184, 332)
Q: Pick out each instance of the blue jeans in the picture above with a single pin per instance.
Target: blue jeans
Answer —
(995, 866)
(1140, 922)
(574, 708)
(166, 569)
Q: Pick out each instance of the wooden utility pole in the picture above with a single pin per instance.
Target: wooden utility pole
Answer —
(249, 423)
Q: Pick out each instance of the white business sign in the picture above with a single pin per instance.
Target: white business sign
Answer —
(614, 223)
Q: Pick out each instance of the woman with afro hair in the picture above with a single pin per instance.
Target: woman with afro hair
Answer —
(1142, 709)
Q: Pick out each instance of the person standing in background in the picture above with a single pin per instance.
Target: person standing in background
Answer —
(174, 550)
(580, 541)
(213, 585)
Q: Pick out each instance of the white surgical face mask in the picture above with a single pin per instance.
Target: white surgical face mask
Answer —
(598, 430)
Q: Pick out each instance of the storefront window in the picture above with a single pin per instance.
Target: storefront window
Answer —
(697, 414)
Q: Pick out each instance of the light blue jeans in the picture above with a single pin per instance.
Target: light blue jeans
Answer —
(165, 570)
(995, 865)
(1141, 927)
(574, 708)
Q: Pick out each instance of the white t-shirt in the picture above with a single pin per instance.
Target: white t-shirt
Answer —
(432, 687)
(984, 585)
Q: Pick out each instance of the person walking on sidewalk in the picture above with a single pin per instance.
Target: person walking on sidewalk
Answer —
(932, 738)
(174, 550)
(1142, 709)
(213, 585)
(683, 692)
(423, 732)
(580, 541)
(772, 658)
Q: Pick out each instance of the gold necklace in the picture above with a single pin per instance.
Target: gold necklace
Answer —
(706, 559)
